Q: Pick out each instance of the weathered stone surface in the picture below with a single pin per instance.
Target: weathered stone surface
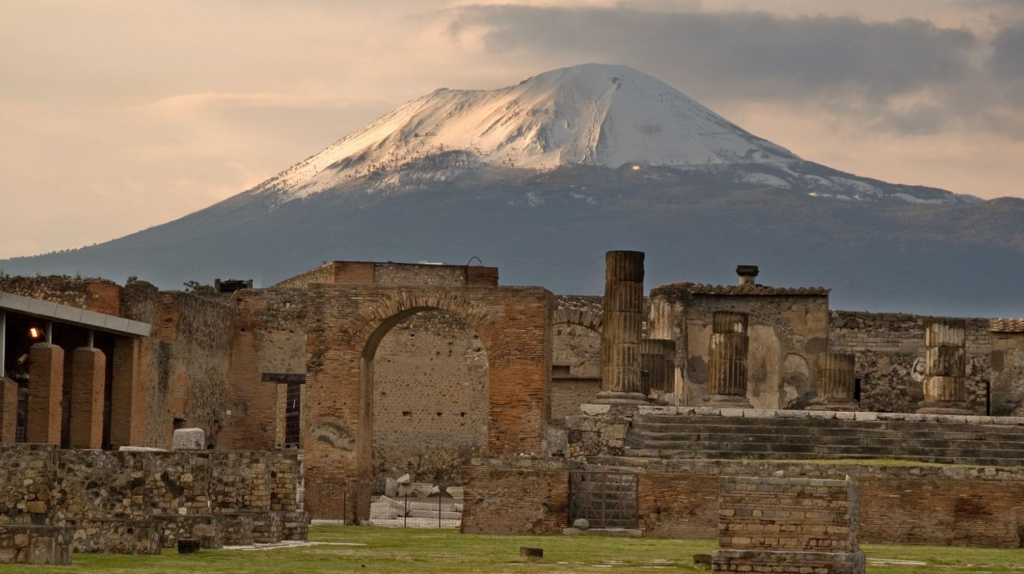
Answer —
(23, 544)
(188, 439)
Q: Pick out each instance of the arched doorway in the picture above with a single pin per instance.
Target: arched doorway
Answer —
(347, 326)
(430, 400)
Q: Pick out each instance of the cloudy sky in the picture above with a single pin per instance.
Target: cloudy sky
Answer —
(116, 115)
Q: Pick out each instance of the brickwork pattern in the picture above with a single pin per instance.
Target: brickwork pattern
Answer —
(430, 400)
(346, 323)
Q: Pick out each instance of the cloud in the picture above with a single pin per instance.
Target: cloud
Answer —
(908, 76)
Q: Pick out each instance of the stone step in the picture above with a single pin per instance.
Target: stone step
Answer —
(939, 440)
(748, 425)
(446, 506)
(636, 456)
(651, 420)
(950, 448)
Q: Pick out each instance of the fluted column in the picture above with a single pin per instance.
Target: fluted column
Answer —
(657, 365)
(836, 383)
(945, 388)
(623, 324)
(727, 365)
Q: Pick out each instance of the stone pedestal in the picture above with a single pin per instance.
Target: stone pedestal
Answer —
(622, 332)
(945, 389)
(835, 384)
(88, 379)
(45, 390)
(759, 531)
(727, 366)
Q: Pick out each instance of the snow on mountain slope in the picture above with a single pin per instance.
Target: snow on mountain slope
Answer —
(592, 114)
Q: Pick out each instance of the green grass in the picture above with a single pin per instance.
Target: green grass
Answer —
(446, 551)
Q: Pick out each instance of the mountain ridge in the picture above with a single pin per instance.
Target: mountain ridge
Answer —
(880, 246)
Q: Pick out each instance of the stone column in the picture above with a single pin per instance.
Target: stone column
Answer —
(727, 367)
(45, 390)
(623, 325)
(88, 379)
(657, 364)
(945, 389)
(8, 411)
(835, 384)
(127, 402)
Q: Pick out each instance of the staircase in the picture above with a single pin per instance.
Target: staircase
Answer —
(720, 437)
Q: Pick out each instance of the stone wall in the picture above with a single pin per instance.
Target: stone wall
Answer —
(932, 505)
(889, 350)
(269, 336)
(516, 495)
(430, 400)
(97, 295)
(122, 501)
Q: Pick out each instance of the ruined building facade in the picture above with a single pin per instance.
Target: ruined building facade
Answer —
(375, 370)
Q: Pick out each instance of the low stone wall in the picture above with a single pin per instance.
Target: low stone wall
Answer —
(516, 495)
(134, 502)
(928, 504)
(20, 544)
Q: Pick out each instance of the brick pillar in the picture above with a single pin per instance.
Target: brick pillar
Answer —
(8, 411)
(945, 389)
(45, 390)
(727, 367)
(623, 325)
(835, 383)
(89, 370)
(128, 405)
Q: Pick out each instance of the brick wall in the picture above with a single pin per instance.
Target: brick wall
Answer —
(811, 514)
(934, 505)
(430, 400)
(269, 336)
(345, 326)
(520, 496)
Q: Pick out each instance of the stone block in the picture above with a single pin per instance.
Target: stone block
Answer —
(758, 413)
(822, 414)
(865, 416)
(22, 544)
(595, 410)
(189, 439)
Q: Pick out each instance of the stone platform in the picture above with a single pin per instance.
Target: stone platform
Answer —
(720, 434)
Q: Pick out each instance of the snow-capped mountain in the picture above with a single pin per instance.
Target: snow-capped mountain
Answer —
(589, 115)
(541, 178)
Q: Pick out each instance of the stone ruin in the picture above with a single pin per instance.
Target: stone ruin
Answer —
(789, 526)
(55, 501)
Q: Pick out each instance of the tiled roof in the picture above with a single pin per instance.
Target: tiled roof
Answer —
(750, 289)
(1006, 326)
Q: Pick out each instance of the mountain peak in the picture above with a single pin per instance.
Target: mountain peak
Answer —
(590, 114)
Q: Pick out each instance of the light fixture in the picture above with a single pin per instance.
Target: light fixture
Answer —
(34, 332)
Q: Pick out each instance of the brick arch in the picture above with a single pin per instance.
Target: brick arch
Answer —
(347, 323)
(589, 319)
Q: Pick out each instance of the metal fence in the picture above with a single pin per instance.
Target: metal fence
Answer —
(604, 499)
(410, 511)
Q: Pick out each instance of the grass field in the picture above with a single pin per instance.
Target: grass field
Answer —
(445, 551)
